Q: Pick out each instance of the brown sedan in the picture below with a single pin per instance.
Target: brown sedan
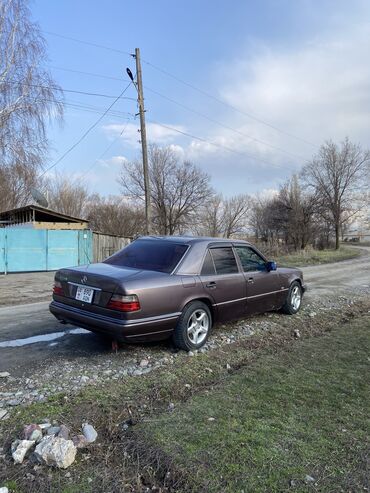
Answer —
(158, 287)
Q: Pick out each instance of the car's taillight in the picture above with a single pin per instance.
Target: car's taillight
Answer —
(57, 289)
(128, 303)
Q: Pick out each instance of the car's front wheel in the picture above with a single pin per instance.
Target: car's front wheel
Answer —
(294, 299)
(193, 326)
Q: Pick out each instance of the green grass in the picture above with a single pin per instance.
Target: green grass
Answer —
(145, 450)
(315, 257)
(288, 415)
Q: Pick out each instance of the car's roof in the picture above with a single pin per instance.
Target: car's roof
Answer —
(190, 240)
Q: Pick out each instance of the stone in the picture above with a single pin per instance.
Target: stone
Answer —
(20, 448)
(53, 430)
(63, 432)
(211, 419)
(44, 426)
(79, 441)
(312, 314)
(309, 479)
(56, 451)
(4, 489)
(4, 374)
(228, 367)
(3, 413)
(144, 363)
(32, 432)
(171, 407)
(190, 353)
(14, 402)
(84, 379)
(296, 334)
(89, 433)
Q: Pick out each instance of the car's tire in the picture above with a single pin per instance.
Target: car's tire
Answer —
(193, 327)
(294, 299)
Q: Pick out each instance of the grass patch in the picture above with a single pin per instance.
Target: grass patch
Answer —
(300, 412)
(136, 459)
(315, 257)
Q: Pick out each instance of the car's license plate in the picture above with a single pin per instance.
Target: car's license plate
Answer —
(84, 294)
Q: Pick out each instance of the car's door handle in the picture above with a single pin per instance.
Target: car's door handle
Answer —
(211, 285)
(250, 280)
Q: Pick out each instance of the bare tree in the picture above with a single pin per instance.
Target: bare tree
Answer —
(336, 175)
(178, 189)
(209, 218)
(68, 196)
(235, 214)
(28, 97)
(116, 216)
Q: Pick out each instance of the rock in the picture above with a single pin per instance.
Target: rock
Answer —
(312, 314)
(296, 334)
(14, 402)
(309, 479)
(228, 367)
(79, 441)
(211, 419)
(84, 379)
(56, 451)
(3, 413)
(63, 432)
(171, 407)
(45, 426)
(20, 448)
(89, 433)
(4, 489)
(32, 432)
(53, 430)
(144, 363)
(190, 353)
(4, 374)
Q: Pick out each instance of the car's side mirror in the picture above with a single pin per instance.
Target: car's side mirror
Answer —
(271, 265)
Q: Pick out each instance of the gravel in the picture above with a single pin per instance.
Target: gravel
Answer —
(69, 377)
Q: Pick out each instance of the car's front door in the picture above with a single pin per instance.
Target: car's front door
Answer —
(262, 286)
(224, 283)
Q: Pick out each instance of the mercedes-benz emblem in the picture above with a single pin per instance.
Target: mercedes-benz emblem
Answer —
(84, 280)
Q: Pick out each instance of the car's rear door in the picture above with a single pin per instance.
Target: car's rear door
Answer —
(224, 282)
(262, 286)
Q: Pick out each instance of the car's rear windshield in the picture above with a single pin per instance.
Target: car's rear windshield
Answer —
(160, 256)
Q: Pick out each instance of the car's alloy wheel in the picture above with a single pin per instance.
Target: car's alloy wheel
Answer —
(294, 299)
(193, 326)
(198, 326)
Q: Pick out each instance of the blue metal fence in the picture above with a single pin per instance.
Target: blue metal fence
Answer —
(27, 250)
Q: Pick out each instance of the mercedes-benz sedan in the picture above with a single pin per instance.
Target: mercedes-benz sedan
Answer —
(158, 287)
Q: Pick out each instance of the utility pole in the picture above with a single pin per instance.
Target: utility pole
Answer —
(140, 101)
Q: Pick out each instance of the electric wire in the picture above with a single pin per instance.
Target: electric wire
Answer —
(191, 86)
(86, 132)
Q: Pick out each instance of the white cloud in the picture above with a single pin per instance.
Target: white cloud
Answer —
(162, 134)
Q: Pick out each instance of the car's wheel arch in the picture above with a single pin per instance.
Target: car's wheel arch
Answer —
(207, 301)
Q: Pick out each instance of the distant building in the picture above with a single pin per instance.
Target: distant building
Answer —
(33, 238)
(36, 217)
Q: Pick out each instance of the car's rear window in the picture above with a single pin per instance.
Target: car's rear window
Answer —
(160, 256)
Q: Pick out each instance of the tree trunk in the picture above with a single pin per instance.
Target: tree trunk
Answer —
(337, 231)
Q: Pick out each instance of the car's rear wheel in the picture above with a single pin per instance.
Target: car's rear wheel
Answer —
(193, 326)
(294, 299)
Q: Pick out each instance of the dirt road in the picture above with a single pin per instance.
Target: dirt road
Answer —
(30, 336)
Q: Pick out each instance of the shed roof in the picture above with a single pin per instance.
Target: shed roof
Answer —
(41, 214)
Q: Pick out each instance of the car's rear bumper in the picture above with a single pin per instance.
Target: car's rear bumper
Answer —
(152, 328)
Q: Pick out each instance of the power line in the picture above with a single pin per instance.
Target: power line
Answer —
(96, 45)
(86, 132)
(74, 91)
(243, 134)
(201, 91)
(221, 146)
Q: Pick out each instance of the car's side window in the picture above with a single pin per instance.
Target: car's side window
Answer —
(224, 260)
(250, 259)
(208, 268)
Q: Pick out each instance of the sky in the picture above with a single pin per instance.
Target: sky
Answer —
(257, 86)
